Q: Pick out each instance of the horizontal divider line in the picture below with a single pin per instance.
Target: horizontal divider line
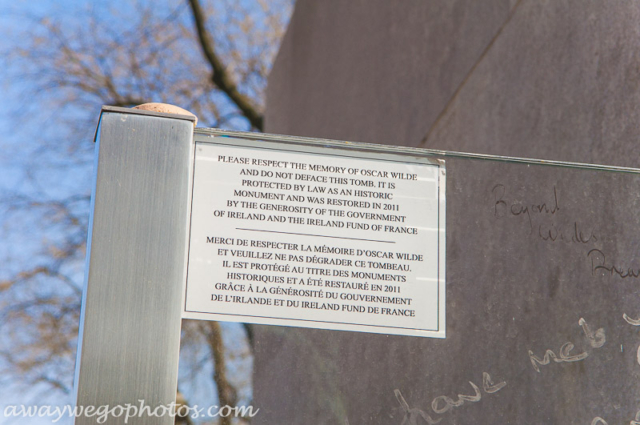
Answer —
(318, 236)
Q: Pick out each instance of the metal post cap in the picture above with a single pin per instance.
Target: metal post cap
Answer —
(166, 109)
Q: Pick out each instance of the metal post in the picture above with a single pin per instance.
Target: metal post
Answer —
(136, 264)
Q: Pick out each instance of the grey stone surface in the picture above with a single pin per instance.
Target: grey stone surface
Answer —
(561, 82)
(518, 284)
(374, 70)
(544, 79)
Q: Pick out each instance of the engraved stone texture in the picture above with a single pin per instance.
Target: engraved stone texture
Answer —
(553, 80)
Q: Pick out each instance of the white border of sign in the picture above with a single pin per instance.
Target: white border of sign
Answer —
(205, 268)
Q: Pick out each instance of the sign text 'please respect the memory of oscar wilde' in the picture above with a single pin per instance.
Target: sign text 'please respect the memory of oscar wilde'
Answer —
(316, 240)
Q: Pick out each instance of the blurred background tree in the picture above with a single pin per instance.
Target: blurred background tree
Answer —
(61, 65)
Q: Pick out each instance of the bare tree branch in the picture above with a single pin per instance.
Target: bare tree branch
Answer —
(227, 394)
(248, 329)
(220, 76)
(69, 65)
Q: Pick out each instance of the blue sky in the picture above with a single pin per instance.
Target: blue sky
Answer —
(35, 160)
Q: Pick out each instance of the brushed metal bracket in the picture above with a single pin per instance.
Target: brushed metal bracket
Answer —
(129, 340)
